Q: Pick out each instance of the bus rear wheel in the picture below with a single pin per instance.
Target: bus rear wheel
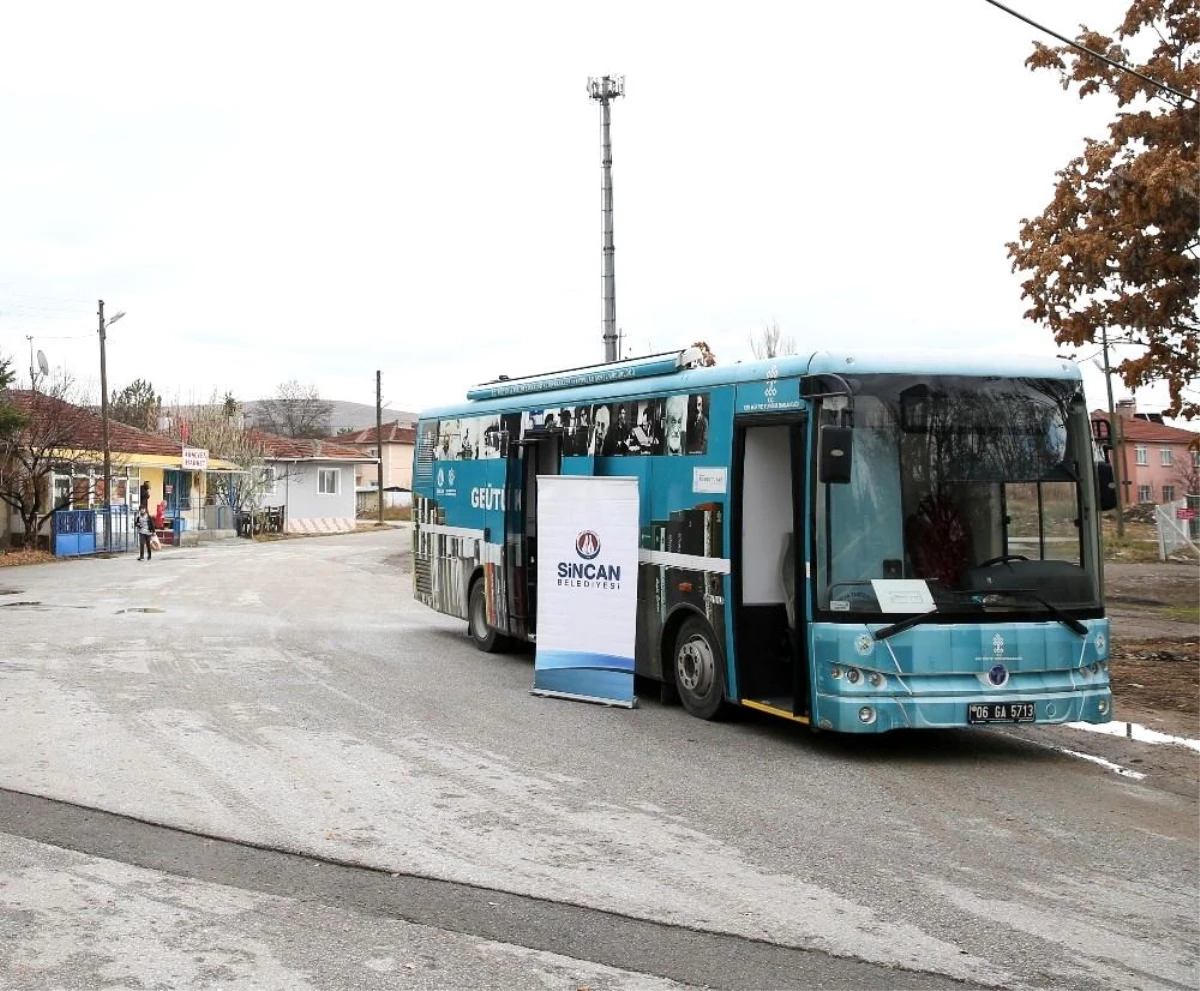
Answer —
(482, 636)
(699, 669)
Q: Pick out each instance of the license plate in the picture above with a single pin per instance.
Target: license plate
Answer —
(1000, 712)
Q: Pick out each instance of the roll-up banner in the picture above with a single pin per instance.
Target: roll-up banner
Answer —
(587, 588)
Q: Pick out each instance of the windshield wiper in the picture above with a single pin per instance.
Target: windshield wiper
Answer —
(916, 620)
(1070, 622)
(905, 624)
(909, 622)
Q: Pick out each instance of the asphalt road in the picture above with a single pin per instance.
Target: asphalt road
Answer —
(268, 700)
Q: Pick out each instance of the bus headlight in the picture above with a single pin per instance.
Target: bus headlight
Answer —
(1102, 706)
(853, 675)
(835, 671)
(876, 679)
(866, 715)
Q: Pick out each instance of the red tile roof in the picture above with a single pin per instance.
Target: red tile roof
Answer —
(1133, 429)
(393, 433)
(86, 429)
(288, 449)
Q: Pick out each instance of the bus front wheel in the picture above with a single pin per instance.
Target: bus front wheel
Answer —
(699, 670)
(483, 636)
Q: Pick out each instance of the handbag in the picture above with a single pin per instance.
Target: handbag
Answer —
(155, 543)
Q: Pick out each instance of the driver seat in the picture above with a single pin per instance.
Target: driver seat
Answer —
(938, 538)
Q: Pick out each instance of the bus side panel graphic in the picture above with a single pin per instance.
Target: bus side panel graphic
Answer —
(442, 561)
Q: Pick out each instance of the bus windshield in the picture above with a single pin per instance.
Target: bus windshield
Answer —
(980, 487)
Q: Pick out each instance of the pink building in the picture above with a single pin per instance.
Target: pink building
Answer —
(1158, 463)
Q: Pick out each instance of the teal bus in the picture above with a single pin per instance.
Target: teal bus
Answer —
(859, 542)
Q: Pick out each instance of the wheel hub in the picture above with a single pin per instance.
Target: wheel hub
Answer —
(694, 666)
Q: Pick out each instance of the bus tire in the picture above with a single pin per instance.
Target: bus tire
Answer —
(484, 637)
(699, 669)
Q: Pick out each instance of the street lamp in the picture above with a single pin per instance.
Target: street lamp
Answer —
(104, 325)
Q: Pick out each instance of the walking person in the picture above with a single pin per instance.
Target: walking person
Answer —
(144, 526)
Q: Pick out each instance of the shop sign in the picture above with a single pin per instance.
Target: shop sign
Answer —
(195, 459)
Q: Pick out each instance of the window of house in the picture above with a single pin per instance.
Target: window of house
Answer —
(81, 492)
(1144, 494)
(1165, 456)
(267, 480)
(1168, 493)
(327, 481)
(1143, 457)
(62, 491)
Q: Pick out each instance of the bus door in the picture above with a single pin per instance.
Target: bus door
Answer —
(536, 454)
(768, 564)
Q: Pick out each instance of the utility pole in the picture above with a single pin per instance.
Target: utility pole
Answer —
(605, 89)
(379, 438)
(1114, 424)
(104, 437)
(104, 426)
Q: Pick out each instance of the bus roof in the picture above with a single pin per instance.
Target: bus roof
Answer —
(663, 374)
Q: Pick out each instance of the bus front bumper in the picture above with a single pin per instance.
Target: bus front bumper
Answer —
(879, 713)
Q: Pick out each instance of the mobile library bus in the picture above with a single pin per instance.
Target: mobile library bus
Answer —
(861, 542)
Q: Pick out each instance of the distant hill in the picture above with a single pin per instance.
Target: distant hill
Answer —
(348, 416)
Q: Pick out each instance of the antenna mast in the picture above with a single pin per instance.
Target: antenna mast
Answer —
(605, 89)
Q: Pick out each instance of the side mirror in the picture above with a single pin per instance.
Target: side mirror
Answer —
(834, 450)
(1107, 485)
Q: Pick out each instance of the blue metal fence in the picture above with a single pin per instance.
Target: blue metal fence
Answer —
(78, 532)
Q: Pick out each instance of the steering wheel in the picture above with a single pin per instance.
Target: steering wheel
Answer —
(1001, 559)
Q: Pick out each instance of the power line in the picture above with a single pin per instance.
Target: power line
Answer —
(73, 301)
(1087, 51)
(21, 332)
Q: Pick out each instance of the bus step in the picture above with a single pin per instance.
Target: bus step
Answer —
(776, 707)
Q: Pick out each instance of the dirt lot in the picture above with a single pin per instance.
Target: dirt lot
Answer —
(1155, 614)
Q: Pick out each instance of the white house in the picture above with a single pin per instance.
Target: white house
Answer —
(313, 480)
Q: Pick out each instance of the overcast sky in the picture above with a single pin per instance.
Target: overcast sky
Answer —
(314, 191)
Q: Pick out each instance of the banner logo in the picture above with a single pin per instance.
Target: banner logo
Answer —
(590, 573)
(587, 545)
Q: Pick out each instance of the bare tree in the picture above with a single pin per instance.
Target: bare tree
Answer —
(218, 426)
(770, 342)
(297, 411)
(1187, 470)
(52, 432)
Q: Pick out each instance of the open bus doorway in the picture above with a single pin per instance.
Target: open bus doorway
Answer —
(536, 454)
(768, 565)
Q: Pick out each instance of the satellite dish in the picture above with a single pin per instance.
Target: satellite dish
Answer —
(43, 364)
